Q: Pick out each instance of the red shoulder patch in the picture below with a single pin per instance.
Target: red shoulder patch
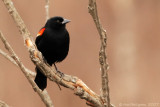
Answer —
(41, 32)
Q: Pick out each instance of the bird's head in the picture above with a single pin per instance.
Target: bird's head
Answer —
(57, 22)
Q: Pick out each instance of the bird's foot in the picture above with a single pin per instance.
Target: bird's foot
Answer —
(61, 76)
(60, 73)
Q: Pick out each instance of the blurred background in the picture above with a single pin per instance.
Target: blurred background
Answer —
(133, 29)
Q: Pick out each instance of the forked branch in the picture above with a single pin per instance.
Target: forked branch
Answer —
(74, 83)
(68, 81)
(43, 95)
(102, 53)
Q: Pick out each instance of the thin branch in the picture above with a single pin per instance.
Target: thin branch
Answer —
(3, 104)
(102, 54)
(47, 9)
(8, 57)
(68, 81)
(44, 95)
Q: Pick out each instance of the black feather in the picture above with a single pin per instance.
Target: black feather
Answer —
(53, 44)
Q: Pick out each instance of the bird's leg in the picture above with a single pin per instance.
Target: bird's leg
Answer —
(59, 72)
(55, 67)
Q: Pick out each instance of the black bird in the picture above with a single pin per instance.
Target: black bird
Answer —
(53, 42)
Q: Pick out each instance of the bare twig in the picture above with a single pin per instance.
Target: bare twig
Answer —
(44, 95)
(8, 57)
(47, 9)
(3, 104)
(102, 54)
(71, 82)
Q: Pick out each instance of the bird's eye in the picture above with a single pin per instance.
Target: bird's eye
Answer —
(58, 21)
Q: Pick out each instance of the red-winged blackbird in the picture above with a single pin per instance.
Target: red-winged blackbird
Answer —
(53, 42)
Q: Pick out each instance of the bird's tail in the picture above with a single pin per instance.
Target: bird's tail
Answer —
(40, 80)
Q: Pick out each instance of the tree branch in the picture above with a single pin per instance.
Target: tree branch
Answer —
(47, 9)
(102, 54)
(3, 104)
(68, 81)
(8, 57)
(44, 95)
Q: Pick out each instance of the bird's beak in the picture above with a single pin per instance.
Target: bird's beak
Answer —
(65, 21)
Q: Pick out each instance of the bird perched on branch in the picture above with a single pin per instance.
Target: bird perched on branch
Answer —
(53, 42)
